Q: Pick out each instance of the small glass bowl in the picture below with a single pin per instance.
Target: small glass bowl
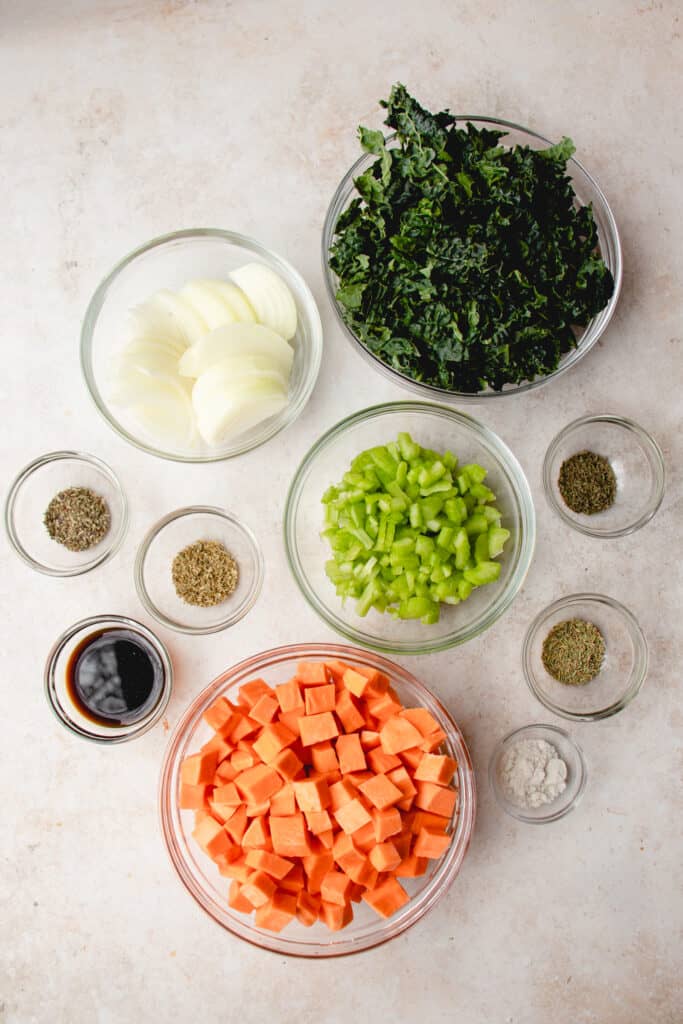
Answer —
(60, 701)
(576, 774)
(638, 465)
(201, 877)
(30, 494)
(623, 671)
(433, 426)
(173, 533)
(170, 261)
(587, 192)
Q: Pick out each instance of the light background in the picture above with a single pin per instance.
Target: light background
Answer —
(122, 120)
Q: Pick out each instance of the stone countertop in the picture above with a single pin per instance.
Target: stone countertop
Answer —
(121, 120)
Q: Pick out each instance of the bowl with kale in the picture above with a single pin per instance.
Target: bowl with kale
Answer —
(468, 257)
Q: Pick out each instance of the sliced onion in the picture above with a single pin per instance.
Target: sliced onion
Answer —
(270, 297)
(237, 340)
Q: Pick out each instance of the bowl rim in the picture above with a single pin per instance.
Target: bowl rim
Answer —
(62, 641)
(292, 411)
(417, 387)
(518, 813)
(151, 535)
(636, 677)
(255, 663)
(527, 526)
(24, 474)
(655, 457)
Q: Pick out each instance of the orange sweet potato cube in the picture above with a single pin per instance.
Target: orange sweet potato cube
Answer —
(369, 739)
(399, 734)
(225, 772)
(411, 758)
(241, 759)
(294, 880)
(289, 696)
(307, 908)
(277, 912)
(434, 741)
(387, 897)
(265, 709)
(335, 887)
(259, 783)
(364, 838)
(263, 860)
(323, 757)
(258, 888)
(336, 669)
(341, 793)
(422, 719)
(199, 769)
(316, 866)
(384, 706)
(250, 693)
(355, 682)
(317, 728)
(381, 792)
(387, 823)
(318, 822)
(312, 794)
(348, 713)
(236, 869)
(385, 857)
(236, 900)
(437, 799)
(271, 740)
(381, 763)
(425, 819)
(335, 916)
(411, 867)
(435, 768)
(219, 714)
(212, 837)
(311, 673)
(352, 816)
(320, 698)
(236, 825)
(350, 753)
(400, 778)
(431, 844)
(257, 835)
(289, 836)
(243, 726)
(227, 794)
(283, 803)
(287, 764)
(217, 745)
(191, 798)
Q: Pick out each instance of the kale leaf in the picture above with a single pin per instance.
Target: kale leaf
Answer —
(462, 262)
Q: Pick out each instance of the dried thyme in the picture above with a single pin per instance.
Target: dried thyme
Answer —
(587, 483)
(78, 518)
(573, 652)
(204, 574)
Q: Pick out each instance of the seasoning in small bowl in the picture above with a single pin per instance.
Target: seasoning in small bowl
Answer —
(604, 476)
(199, 570)
(537, 774)
(585, 657)
(66, 513)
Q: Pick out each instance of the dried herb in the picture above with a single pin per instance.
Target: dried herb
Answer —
(573, 652)
(587, 483)
(78, 518)
(204, 573)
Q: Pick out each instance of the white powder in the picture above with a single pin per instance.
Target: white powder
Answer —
(532, 773)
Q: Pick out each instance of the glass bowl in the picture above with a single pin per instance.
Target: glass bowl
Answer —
(638, 465)
(624, 667)
(201, 877)
(30, 494)
(170, 262)
(62, 704)
(587, 191)
(432, 426)
(170, 535)
(576, 774)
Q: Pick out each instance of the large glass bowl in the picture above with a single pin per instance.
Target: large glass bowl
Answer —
(587, 191)
(432, 426)
(170, 262)
(201, 877)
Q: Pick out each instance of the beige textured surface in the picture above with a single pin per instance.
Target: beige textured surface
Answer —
(122, 120)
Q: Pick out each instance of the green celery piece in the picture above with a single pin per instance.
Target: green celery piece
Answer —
(482, 493)
(490, 512)
(464, 589)
(476, 473)
(367, 597)
(416, 607)
(432, 616)
(446, 536)
(394, 450)
(415, 515)
(362, 537)
(461, 547)
(497, 538)
(408, 448)
(402, 473)
(371, 526)
(481, 548)
(477, 523)
(456, 510)
(485, 572)
(384, 460)
(358, 514)
(424, 546)
(430, 474)
(463, 482)
(449, 460)
(440, 487)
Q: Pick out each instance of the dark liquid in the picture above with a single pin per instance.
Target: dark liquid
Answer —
(114, 677)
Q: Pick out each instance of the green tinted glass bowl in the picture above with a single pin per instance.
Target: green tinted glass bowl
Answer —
(432, 426)
(587, 191)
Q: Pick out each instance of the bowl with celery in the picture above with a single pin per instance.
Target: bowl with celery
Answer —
(409, 527)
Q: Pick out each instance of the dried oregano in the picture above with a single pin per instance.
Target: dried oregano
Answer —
(77, 518)
(204, 573)
(573, 652)
(587, 483)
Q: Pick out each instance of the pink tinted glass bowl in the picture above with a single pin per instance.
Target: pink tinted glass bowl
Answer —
(202, 879)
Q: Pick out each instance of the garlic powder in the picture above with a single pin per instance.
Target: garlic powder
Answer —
(532, 773)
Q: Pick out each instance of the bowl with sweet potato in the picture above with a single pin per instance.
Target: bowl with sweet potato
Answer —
(317, 800)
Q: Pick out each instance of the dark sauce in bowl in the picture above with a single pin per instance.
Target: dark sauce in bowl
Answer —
(114, 677)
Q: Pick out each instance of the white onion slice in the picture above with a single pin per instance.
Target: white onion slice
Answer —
(237, 340)
(270, 297)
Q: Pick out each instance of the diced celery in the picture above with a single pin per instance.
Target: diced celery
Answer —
(408, 448)
(485, 572)
(481, 548)
(477, 523)
(497, 538)
(461, 547)
(476, 473)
